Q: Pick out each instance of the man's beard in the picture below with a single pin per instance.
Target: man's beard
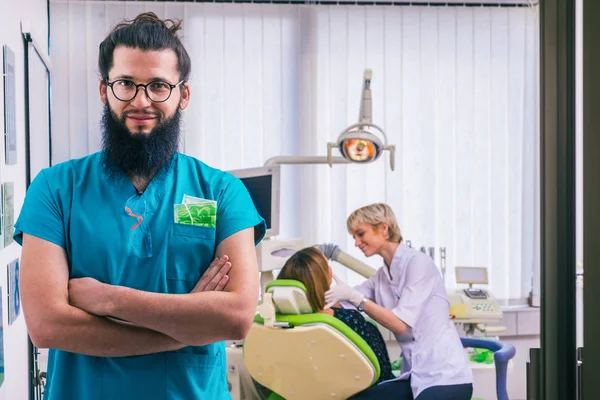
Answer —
(140, 154)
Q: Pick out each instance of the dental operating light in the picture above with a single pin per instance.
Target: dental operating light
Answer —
(359, 142)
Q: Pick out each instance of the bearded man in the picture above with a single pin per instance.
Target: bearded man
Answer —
(138, 261)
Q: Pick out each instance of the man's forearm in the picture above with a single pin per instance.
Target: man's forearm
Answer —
(76, 331)
(194, 319)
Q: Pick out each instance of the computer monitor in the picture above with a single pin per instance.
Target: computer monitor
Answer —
(263, 186)
(471, 275)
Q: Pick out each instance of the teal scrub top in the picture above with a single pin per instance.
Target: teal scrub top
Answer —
(96, 219)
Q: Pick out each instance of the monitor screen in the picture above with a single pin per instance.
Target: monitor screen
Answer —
(260, 189)
(471, 275)
(263, 186)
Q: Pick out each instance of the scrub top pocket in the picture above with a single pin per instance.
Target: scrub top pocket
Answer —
(148, 371)
(196, 376)
(193, 231)
(191, 250)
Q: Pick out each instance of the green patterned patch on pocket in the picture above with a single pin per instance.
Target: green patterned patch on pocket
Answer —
(200, 213)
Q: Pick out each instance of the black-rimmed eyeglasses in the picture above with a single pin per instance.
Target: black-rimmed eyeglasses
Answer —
(157, 91)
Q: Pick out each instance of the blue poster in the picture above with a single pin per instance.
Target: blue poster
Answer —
(14, 298)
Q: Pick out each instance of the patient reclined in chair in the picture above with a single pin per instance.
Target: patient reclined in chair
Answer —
(300, 352)
(307, 355)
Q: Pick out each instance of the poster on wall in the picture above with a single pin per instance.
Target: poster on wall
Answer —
(14, 297)
(8, 211)
(1, 338)
(10, 113)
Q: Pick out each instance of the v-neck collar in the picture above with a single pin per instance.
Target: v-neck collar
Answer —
(396, 266)
(155, 189)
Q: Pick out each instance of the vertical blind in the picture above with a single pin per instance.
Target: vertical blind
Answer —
(454, 88)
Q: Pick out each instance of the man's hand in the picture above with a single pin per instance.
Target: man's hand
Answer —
(90, 295)
(215, 277)
(342, 292)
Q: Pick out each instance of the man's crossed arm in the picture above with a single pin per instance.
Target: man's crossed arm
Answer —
(69, 315)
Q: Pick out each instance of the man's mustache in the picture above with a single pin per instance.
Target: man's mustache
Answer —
(148, 112)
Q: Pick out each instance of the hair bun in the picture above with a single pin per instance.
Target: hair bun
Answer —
(149, 17)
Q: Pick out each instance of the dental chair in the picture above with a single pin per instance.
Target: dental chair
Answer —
(300, 354)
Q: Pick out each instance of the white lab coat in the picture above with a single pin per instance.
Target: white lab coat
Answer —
(432, 352)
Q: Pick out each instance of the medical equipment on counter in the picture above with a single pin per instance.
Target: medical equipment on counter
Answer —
(300, 354)
(474, 307)
(473, 304)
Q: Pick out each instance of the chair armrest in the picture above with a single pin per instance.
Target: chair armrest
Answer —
(502, 351)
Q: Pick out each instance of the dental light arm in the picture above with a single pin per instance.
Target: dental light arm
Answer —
(365, 103)
(333, 252)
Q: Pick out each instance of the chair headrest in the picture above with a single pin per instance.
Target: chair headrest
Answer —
(289, 297)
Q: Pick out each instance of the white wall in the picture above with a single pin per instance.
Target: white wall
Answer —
(16, 383)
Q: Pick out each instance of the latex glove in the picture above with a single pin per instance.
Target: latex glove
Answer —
(330, 250)
(342, 292)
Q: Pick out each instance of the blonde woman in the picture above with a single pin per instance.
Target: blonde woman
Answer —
(407, 296)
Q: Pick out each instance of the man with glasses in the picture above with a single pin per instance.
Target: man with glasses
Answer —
(138, 261)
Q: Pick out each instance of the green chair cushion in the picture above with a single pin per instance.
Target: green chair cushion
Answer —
(285, 282)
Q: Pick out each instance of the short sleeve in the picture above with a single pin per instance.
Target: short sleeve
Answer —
(41, 215)
(368, 287)
(236, 212)
(416, 291)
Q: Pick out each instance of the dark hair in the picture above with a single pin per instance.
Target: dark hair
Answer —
(145, 32)
(310, 267)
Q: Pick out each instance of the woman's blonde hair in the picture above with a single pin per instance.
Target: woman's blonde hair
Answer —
(374, 215)
(310, 267)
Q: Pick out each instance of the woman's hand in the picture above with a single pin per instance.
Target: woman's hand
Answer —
(342, 292)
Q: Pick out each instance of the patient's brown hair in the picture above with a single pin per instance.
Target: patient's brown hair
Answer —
(310, 267)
